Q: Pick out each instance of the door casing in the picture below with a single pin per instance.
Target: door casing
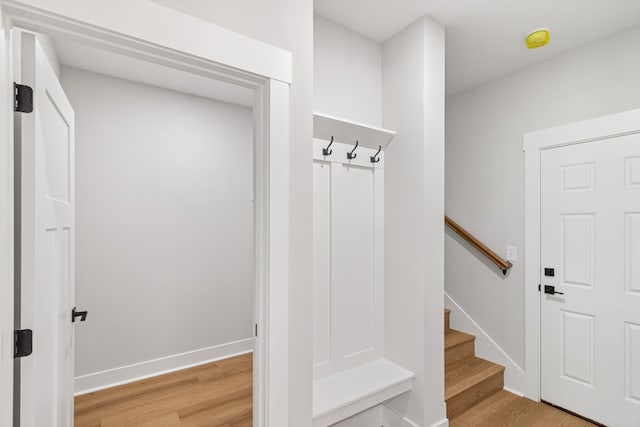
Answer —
(583, 132)
(235, 59)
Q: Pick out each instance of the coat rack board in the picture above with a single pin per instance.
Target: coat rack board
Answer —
(347, 131)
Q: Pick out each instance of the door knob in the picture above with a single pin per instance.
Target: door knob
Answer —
(550, 289)
(81, 314)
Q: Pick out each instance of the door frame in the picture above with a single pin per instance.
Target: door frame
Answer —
(236, 59)
(586, 131)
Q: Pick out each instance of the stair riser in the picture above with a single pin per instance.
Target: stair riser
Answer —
(465, 400)
(459, 352)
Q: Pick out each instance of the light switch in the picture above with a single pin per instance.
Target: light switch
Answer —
(512, 253)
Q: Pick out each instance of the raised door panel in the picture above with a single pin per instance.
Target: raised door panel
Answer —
(577, 249)
(632, 253)
(578, 347)
(632, 362)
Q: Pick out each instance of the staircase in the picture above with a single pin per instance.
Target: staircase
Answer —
(469, 380)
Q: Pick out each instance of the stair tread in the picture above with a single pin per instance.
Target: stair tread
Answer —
(464, 374)
(447, 310)
(478, 414)
(453, 338)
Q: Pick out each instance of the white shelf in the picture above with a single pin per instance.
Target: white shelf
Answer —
(348, 131)
(350, 392)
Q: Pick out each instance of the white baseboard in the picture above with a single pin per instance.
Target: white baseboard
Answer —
(516, 392)
(515, 377)
(372, 417)
(138, 371)
(393, 419)
(442, 423)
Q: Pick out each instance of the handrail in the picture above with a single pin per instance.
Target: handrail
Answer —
(503, 264)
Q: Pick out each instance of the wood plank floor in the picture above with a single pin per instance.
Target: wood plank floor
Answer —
(218, 394)
(508, 410)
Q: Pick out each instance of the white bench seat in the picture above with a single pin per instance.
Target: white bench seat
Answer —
(350, 392)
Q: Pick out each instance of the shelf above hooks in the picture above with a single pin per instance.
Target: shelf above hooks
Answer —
(326, 126)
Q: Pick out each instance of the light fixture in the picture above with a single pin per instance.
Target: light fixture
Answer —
(538, 38)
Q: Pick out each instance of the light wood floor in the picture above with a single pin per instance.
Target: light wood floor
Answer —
(216, 394)
(508, 410)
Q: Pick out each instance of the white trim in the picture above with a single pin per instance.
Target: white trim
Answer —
(516, 392)
(596, 129)
(233, 58)
(326, 126)
(392, 419)
(442, 423)
(515, 377)
(162, 27)
(6, 227)
(138, 371)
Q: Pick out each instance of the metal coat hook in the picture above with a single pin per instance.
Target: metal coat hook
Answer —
(375, 158)
(351, 155)
(326, 151)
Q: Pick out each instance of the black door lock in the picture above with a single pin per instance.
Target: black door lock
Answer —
(81, 314)
(550, 289)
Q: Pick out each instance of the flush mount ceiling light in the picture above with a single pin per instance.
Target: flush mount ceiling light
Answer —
(538, 38)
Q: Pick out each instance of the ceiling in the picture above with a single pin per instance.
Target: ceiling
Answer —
(100, 60)
(485, 38)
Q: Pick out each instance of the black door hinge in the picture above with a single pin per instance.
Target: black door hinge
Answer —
(539, 288)
(256, 329)
(24, 343)
(23, 98)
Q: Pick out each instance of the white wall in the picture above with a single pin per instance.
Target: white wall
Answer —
(347, 73)
(485, 166)
(413, 105)
(164, 223)
(287, 24)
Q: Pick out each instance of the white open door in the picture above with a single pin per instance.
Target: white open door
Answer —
(47, 243)
(590, 245)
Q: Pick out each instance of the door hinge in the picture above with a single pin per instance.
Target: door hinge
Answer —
(256, 329)
(539, 288)
(23, 98)
(24, 343)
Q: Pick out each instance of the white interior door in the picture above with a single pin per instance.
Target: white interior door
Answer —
(47, 244)
(590, 331)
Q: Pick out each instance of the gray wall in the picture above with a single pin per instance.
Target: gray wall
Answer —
(347, 73)
(287, 24)
(164, 221)
(485, 166)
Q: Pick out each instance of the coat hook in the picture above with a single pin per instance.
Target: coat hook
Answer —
(375, 158)
(326, 151)
(351, 155)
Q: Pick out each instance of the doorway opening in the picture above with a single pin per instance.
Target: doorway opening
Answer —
(135, 193)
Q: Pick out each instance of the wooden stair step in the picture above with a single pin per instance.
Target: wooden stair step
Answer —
(458, 346)
(470, 381)
(447, 319)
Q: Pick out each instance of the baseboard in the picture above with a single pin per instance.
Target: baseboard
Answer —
(138, 371)
(515, 377)
(393, 419)
(516, 392)
(372, 417)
